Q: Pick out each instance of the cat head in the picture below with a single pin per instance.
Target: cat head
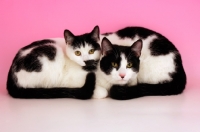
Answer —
(120, 63)
(84, 49)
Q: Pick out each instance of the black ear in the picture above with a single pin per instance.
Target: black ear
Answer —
(69, 37)
(106, 46)
(95, 33)
(137, 47)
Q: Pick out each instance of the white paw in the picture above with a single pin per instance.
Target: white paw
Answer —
(100, 93)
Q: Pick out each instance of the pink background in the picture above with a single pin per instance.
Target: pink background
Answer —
(23, 21)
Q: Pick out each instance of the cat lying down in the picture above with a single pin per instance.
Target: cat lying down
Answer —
(56, 68)
(131, 62)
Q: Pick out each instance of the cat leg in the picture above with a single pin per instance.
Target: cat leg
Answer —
(141, 90)
(125, 92)
(100, 93)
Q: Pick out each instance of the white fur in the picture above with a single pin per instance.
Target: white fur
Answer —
(61, 72)
(156, 69)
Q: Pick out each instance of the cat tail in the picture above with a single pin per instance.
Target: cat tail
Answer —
(174, 87)
(84, 92)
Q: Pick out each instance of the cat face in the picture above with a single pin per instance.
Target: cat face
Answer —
(120, 63)
(83, 49)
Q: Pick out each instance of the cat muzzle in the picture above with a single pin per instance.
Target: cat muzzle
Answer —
(90, 63)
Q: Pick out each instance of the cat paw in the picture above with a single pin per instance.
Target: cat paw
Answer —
(119, 92)
(100, 93)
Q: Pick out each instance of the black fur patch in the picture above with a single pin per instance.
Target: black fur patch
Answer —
(115, 56)
(81, 40)
(130, 32)
(161, 46)
(30, 61)
(38, 43)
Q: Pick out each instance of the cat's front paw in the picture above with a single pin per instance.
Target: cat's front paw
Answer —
(100, 93)
(119, 92)
(125, 92)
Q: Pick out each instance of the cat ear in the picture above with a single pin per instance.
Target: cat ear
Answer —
(95, 33)
(69, 37)
(106, 46)
(137, 47)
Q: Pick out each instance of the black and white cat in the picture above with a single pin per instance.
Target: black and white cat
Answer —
(56, 68)
(157, 70)
(119, 65)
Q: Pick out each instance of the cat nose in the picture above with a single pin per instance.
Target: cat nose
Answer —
(89, 62)
(122, 75)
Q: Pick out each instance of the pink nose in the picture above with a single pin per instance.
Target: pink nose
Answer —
(122, 75)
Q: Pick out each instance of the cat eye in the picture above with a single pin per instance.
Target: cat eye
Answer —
(91, 51)
(115, 65)
(129, 65)
(78, 53)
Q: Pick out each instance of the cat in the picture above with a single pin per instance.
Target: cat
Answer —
(118, 65)
(160, 70)
(56, 68)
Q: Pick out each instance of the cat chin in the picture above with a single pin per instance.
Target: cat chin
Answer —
(121, 82)
(81, 63)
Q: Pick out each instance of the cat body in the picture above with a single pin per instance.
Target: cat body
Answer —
(54, 68)
(160, 68)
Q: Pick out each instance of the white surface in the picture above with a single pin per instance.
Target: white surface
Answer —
(148, 114)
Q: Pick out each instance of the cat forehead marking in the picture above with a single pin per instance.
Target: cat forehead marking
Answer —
(123, 62)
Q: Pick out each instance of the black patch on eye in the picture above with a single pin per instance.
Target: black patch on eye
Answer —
(112, 56)
(30, 61)
(131, 57)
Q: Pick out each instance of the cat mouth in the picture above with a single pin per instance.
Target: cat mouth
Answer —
(90, 65)
(122, 81)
